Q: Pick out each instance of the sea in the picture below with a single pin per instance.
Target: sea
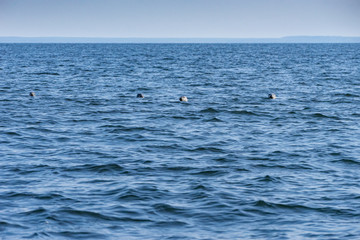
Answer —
(86, 159)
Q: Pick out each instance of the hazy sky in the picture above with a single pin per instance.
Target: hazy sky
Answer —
(179, 18)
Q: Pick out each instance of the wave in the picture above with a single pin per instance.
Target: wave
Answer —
(167, 208)
(7, 224)
(214, 119)
(268, 178)
(208, 149)
(103, 168)
(321, 115)
(347, 161)
(72, 235)
(38, 211)
(47, 73)
(210, 173)
(209, 110)
(291, 207)
(243, 112)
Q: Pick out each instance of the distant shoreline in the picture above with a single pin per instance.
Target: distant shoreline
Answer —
(292, 39)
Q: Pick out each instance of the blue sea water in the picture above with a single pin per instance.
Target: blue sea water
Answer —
(86, 159)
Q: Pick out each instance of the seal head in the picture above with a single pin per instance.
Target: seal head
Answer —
(272, 96)
(32, 94)
(140, 95)
(183, 99)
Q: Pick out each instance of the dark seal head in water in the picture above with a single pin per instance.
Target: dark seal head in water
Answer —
(140, 95)
(32, 94)
(183, 99)
(272, 96)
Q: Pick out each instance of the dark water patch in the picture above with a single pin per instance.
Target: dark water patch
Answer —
(283, 166)
(163, 208)
(74, 213)
(268, 178)
(120, 128)
(19, 195)
(81, 153)
(36, 212)
(241, 170)
(5, 225)
(243, 112)
(168, 58)
(109, 190)
(320, 116)
(11, 133)
(29, 195)
(187, 117)
(145, 193)
(210, 173)
(63, 139)
(336, 154)
(38, 235)
(103, 168)
(302, 208)
(162, 146)
(52, 197)
(334, 130)
(256, 211)
(300, 166)
(201, 187)
(40, 129)
(346, 94)
(47, 73)
(208, 149)
(259, 158)
(293, 112)
(212, 218)
(209, 110)
(170, 224)
(214, 119)
(199, 195)
(225, 159)
(134, 138)
(88, 70)
(347, 161)
(130, 196)
(78, 235)
(28, 169)
(178, 168)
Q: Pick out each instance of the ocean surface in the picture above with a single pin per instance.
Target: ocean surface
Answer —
(86, 159)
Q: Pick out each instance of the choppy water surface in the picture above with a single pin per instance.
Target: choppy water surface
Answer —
(86, 159)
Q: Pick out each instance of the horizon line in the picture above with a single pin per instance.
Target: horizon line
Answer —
(287, 36)
(284, 39)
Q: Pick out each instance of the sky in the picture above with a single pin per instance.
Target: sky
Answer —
(179, 18)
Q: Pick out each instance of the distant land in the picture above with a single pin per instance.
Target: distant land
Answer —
(290, 39)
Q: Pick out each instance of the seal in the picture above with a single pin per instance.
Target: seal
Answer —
(183, 99)
(32, 94)
(140, 95)
(272, 96)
